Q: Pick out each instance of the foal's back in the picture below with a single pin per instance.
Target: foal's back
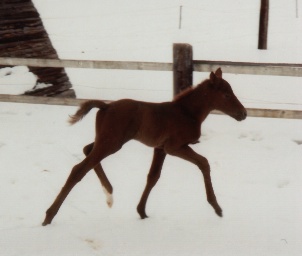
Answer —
(150, 123)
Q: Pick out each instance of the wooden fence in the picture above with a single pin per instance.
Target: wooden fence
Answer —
(183, 66)
(247, 68)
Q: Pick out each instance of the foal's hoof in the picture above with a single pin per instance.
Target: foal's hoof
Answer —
(50, 214)
(142, 214)
(109, 200)
(45, 223)
(109, 197)
(219, 212)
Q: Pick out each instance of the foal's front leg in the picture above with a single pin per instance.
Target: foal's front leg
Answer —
(153, 176)
(190, 155)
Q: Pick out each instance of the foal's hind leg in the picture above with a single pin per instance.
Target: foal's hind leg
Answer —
(76, 175)
(102, 176)
(153, 176)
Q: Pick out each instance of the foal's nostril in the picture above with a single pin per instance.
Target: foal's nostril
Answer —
(241, 115)
(244, 114)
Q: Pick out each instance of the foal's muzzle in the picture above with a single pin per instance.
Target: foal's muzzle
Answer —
(241, 115)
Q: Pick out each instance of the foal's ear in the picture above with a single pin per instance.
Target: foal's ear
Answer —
(218, 73)
(212, 77)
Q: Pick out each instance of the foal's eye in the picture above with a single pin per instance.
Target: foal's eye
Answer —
(227, 96)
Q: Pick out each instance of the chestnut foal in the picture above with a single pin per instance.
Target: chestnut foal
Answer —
(168, 127)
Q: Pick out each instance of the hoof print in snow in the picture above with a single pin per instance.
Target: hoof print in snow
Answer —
(283, 183)
(93, 244)
(298, 142)
(253, 136)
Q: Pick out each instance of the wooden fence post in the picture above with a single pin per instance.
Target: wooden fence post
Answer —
(182, 67)
(263, 25)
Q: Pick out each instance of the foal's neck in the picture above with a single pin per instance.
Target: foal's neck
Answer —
(196, 102)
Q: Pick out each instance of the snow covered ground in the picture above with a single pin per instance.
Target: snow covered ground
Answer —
(256, 164)
(256, 171)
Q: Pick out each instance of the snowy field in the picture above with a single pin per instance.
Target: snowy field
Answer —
(256, 171)
(256, 164)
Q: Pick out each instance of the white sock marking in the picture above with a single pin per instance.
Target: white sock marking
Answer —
(109, 197)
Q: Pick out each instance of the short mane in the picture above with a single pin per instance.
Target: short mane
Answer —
(188, 91)
(184, 93)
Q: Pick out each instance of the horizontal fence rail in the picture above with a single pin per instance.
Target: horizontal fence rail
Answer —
(248, 68)
(55, 63)
(275, 69)
(252, 112)
(43, 100)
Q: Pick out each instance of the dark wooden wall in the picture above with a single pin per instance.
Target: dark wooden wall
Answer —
(22, 35)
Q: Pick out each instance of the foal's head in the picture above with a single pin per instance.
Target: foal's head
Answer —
(223, 98)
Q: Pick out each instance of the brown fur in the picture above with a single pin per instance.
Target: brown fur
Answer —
(168, 127)
(184, 93)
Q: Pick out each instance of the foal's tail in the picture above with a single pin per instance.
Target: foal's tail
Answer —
(85, 108)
